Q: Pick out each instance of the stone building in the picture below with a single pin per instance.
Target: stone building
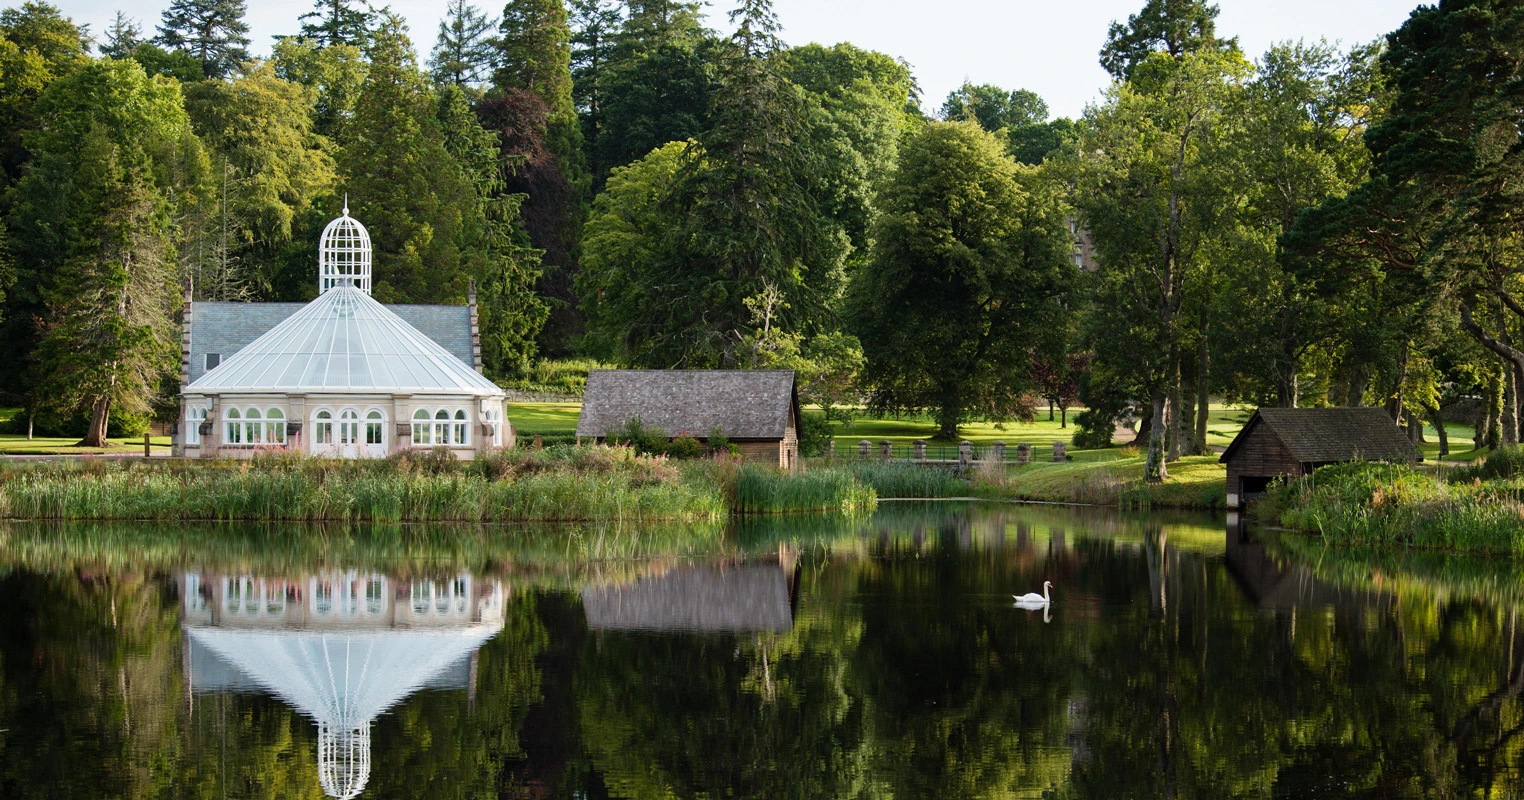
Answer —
(340, 376)
(757, 410)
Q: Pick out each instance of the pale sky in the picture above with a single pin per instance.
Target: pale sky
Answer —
(1047, 46)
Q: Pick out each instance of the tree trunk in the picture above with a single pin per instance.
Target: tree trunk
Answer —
(1176, 402)
(1510, 417)
(100, 414)
(30, 418)
(1145, 429)
(1438, 420)
(1154, 469)
(1394, 399)
(1359, 381)
(1492, 430)
(1050, 409)
(1187, 425)
(1203, 395)
(1063, 416)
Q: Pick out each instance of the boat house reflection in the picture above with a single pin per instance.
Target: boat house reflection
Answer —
(340, 647)
(737, 598)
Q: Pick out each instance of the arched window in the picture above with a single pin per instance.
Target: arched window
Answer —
(420, 427)
(194, 416)
(460, 427)
(251, 426)
(275, 426)
(233, 430)
(349, 427)
(375, 428)
(322, 428)
(441, 427)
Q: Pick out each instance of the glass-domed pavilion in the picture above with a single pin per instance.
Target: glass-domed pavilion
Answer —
(340, 376)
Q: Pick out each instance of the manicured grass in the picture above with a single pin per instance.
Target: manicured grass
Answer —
(1194, 482)
(544, 419)
(18, 444)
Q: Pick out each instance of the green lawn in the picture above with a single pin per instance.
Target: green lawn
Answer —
(1194, 482)
(544, 419)
(17, 444)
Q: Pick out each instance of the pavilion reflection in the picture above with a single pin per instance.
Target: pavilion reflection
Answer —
(339, 647)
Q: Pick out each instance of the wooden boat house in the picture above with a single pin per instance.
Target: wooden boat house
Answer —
(758, 410)
(1291, 442)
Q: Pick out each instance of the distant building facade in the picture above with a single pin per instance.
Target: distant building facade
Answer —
(758, 410)
(341, 376)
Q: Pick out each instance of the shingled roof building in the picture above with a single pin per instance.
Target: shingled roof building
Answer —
(1291, 442)
(340, 376)
(755, 409)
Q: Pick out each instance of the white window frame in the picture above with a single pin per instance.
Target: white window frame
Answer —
(275, 426)
(375, 422)
(253, 426)
(322, 427)
(194, 416)
(442, 427)
(421, 427)
(349, 427)
(462, 428)
(232, 428)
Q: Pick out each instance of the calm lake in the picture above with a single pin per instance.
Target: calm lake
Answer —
(800, 658)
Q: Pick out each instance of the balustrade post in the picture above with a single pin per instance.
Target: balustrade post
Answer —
(920, 449)
(965, 453)
(1060, 451)
(863, 448)
(831, 450)
(997, 452)
(1023, 454)
(886, 450)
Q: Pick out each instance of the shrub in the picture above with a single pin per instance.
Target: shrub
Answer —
(645, 439)
(814, 435)
(684, 447)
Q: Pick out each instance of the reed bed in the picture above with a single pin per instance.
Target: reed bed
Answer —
(910, 481)
(1387, 505)
(759, 490)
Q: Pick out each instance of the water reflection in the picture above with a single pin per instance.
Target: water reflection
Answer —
(803, 658)
(341, 648)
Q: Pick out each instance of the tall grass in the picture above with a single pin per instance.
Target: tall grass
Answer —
(759, 490)
(1392, 505)
(910, 481)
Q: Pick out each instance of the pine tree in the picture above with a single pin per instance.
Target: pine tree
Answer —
(534, 55)
(464, 50)
(211, 31)
(122, 37)
(332, 22)
(594, 24)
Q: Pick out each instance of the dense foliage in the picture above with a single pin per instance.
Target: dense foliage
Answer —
(1311, 226)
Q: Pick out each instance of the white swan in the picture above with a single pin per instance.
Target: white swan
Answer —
(1032, 600)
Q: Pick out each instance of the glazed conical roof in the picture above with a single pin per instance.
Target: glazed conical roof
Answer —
(345, 341)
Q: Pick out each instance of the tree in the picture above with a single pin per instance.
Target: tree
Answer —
(400, 179)
(269, 165)
(1151, 198)
(1175, 27)
(594, 25)
(212, 31)
(656, 85)
(123, 37)
(504, 267)
(994, 108)
(747, 208)
(464, 51)
(94, 216)
(339, 22)
(970, 262)
(534, 55)
(336, 73)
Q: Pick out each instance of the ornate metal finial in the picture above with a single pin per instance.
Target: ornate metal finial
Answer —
(346, 204)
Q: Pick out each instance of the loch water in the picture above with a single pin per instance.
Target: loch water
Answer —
(1182, 656)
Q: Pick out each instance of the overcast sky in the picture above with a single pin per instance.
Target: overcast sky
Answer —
(1047, 46)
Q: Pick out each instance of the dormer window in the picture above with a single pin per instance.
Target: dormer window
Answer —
(212, 360)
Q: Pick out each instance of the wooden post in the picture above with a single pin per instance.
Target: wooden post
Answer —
(886, 450)
(1023, 454)
(148, 445)
(862, 449)
(539, 442)
(1060, 451)
(997, 453)
(920, 449)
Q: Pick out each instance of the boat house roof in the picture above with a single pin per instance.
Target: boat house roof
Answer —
(745, 404)
(1331, 435)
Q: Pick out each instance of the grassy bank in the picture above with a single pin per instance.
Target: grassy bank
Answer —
(1386, 505)
(560, 484)
(1197, 482)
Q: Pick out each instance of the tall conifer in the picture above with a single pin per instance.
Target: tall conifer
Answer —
(464, 50)
(211, 31)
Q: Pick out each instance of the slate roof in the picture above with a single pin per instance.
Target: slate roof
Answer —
(745, 598)
(745, 404)
(1327, 435)
(345, 341)
(226, 328)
